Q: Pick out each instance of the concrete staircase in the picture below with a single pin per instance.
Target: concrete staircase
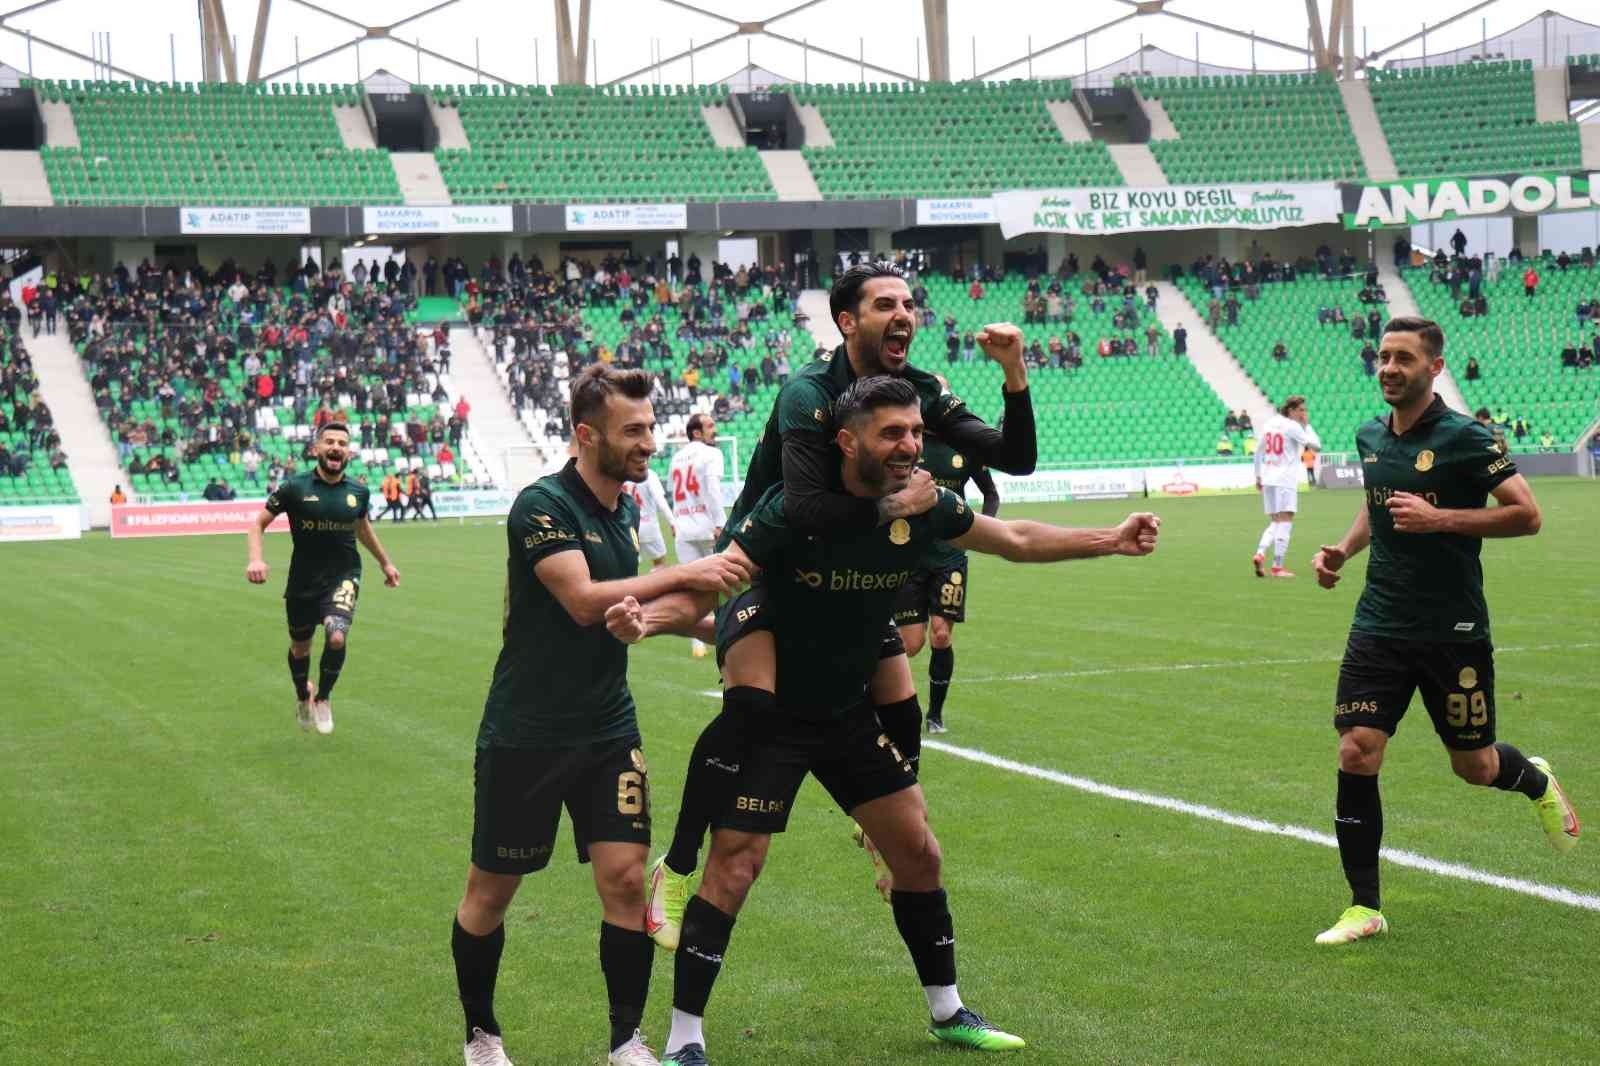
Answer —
(354, 129)
(91, 456)
(1403, 304)
(60, 128)
(814, 302)
(1068, 120)
(1138, 165)
(1161, 127)
(419, 178)
(818, 135)
(1589, 138)
(494, 424)
(724, 129)
(448, 121)
(1550, 94)
(1375, 154)
(791, 175)
(1209, 355)
(22, 180)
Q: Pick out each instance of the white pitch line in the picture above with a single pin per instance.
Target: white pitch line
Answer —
(1227, 664)
(1553, 893)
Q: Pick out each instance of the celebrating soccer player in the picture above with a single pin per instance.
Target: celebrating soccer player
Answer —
(1422, 622)
(327, 513)
(559, 726)
(803, 643)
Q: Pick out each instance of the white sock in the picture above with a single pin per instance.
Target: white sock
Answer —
(1280, 543)
(1266, 538)
(943, 1001)
(686, 1030)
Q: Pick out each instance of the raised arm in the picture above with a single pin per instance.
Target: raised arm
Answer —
(1038, 542)
(1014, 447)
(369, 539)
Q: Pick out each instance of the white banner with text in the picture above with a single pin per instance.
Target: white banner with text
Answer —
(471, 218)
(974, 212)
(627, 216)
(1172, 207)
(259, 221)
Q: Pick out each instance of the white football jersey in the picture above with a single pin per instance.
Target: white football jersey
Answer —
(696, 477)
(1278, 448)
(652, 500)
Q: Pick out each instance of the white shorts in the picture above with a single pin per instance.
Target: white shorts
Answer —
(690, 550)
(652, 545)
(1275, 498)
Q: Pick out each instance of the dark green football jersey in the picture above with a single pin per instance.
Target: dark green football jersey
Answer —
(322, 521)
(830, 601)
(806, 403)
(557, 683)
(951, 470)
(1427, 586)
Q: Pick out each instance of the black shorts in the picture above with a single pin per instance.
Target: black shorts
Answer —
(748, 613)
(941, 591)
(306, 613)
(849, 756)
(1379, 675)
(518, 794)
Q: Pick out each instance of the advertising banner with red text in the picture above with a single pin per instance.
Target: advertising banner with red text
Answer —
(188, 519)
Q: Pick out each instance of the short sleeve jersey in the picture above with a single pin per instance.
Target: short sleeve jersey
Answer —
(322, 521)
(805, 404)
(556, 683)
(1427, 586)
(951, 470)
(831, 599)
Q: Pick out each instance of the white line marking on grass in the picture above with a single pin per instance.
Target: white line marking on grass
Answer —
(1229, 664)
(1553, 893)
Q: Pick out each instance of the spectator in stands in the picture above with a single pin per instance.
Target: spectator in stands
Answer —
(1180, 341)
(1231, 307)
(1563, 261)
(1152, 339)
(1214, 314)
(1280, 351)
(1473, 372)
(1530, 281)
(1547, 441)
(1458, 241)
(1140, 264)
(1230, 423)
(1244, 421)
(1224, 445)
(118, 496)
(1374, 324)
(975, 290)
(1358, 327)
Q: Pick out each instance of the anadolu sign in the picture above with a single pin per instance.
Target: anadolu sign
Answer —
(1400, 203)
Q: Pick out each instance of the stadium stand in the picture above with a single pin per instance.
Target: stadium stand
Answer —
(1476, 118)
(612, 144)
(1315, 315)
(1254, 127)
(211, 144)
(1518, 345)
(223, 378)
(33, 469)
(933, 140)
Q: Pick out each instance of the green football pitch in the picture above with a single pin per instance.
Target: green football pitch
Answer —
(188, 878)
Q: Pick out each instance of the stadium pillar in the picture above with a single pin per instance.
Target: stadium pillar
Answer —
(132, 253)
(1525, 235)
(825, 246)
(1055, 250)
(880, 240)
(991, 246)
(936, 24)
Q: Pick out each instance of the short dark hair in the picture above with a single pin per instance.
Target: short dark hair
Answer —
(1482, 414)
(596, 383)
(846, 292)
(697, 424)
(1426, 328)
(340, 426)
(866, 395)
(1290, 403)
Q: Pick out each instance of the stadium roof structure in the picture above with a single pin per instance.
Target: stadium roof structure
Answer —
(698, 41)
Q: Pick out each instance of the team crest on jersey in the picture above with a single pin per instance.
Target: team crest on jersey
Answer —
(350, 499)
(1424, 461)
(899, 531)
(1469, 677)
(957, 462)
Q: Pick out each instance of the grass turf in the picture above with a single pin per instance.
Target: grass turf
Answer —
(189, 878)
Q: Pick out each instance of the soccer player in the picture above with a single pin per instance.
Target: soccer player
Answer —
(816, 613)
(559, 725)
(874, 310)
(1422, 622)
(328, 513)
(651, 500)
(1278, 470)
(697, 514)
(936, 596)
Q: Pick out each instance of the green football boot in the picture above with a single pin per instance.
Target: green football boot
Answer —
(968, 1029)
(1356, 923)
(1560, 821)
(665, 895)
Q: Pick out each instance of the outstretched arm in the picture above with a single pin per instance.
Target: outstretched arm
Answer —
(682, 613)
(1038, 542)
(566, 575)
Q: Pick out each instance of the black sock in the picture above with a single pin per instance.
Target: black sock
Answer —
(941, 666)
(923, 919)
(328, 670)
(902, 724)
(300, 674)
(1358, 823)
(477, 965)
(625, 957)
(1517, 774)
(703, 942)
(713, 767)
